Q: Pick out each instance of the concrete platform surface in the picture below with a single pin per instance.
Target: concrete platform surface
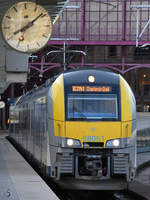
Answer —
(141, 185)
(143, 158)
(18, 181)
(143, 120)
(144, 176)
(139, 189)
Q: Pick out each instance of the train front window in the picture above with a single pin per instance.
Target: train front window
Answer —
(92, 107)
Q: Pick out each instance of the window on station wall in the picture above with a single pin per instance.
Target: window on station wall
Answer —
(103, 19)
(131, 20)
(95, 54)
(72, 56)
(142, 54)
(102, 54)
(112, 51)
(146, 90)
(114, 54)
(89, 58)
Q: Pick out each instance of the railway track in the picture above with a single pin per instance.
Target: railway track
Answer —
(96, 195)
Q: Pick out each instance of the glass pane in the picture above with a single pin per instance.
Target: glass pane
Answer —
(85, 106)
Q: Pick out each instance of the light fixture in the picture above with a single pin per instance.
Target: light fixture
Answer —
(69, 142)
(116, 143)
(2, 104)
(113, 143)
(91, 79)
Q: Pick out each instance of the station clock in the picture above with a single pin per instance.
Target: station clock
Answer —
(26, 27)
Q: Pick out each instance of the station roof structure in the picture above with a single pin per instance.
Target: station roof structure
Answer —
(94, 27)
(14, 65)
(54, 7)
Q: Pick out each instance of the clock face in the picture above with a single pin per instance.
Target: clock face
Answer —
(26, 27)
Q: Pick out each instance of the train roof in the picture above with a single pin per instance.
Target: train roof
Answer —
(75, 76)
(101, 76)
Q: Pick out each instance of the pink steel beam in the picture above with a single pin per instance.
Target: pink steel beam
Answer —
(83, 20)
(113, 66)
(123, 20)
(41, 71)
(103, 43)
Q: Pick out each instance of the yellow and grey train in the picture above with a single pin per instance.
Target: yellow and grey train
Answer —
(80, 128)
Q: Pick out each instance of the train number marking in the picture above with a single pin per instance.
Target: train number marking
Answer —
(93, 138)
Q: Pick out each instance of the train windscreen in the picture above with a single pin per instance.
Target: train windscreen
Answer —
(92, 107)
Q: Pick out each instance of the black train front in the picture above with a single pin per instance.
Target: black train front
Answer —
(81, 129)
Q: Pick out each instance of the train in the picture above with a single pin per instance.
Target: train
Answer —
(80, 129)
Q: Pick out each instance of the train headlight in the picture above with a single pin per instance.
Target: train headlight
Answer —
(113, 143)
(69, 142)
(116, 143)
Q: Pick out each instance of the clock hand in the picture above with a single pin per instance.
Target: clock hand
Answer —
(36, 18)
(24, 28)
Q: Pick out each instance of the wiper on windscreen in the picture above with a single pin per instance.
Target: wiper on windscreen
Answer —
(76, 109)
(107, 119)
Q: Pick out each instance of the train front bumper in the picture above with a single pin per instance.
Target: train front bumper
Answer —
(93, 164)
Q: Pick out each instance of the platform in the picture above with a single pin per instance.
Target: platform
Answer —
(141, 186)
(143, 120)
(18, 181)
